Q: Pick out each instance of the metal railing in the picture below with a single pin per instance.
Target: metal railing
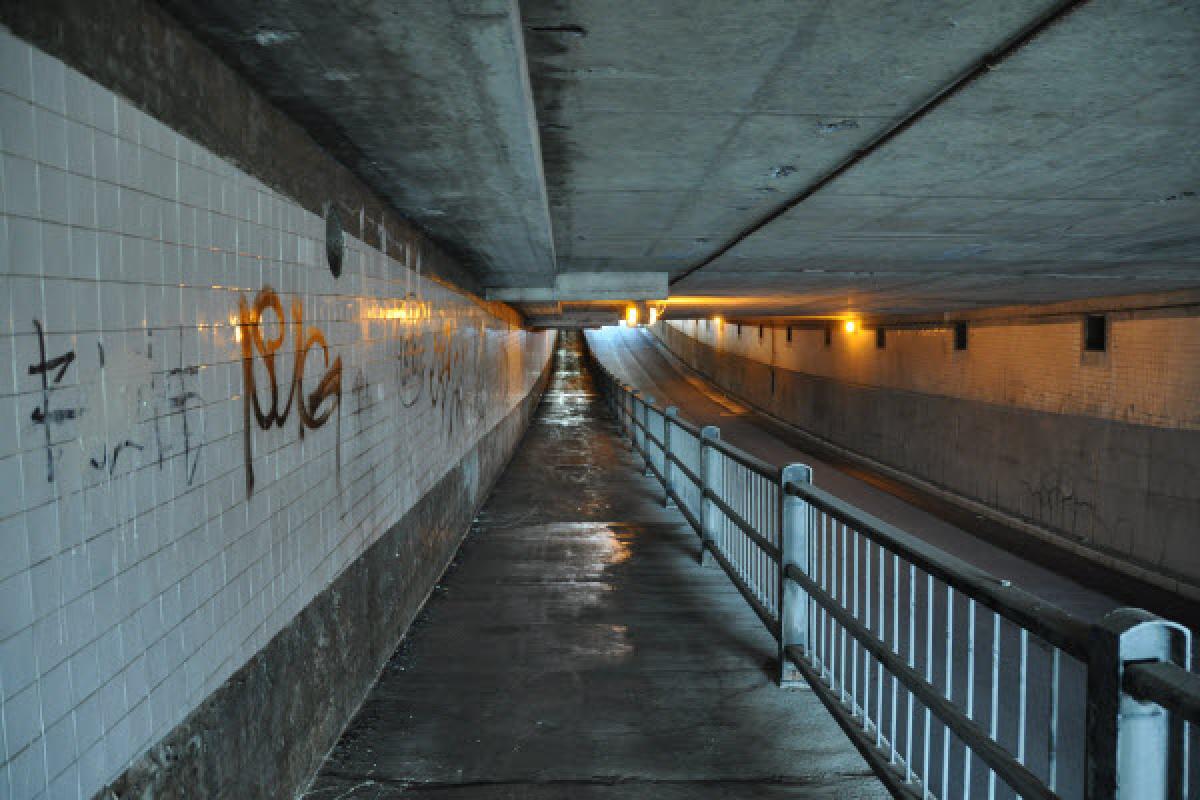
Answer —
(951, 683)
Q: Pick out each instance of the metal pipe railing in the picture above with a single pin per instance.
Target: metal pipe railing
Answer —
(952, 683)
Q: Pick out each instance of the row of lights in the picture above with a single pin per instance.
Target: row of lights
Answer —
(850, 326)
(632, 318)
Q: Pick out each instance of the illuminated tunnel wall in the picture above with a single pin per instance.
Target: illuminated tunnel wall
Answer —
(1095, 452)
(206, 430)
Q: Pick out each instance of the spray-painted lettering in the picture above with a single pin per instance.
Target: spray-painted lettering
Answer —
(313, 411)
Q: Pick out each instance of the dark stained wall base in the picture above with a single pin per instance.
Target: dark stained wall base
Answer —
(265, 732)
(1121, 494)
(139, 51)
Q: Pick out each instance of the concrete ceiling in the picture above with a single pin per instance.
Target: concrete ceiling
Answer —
(429, 102)
(663, 135)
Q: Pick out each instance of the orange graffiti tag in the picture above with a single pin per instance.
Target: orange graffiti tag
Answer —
(308, 409)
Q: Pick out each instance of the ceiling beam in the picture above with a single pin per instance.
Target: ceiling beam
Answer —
(572, 287)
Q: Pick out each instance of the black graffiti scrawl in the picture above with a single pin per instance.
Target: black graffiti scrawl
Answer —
(160, 396)
(43, 415)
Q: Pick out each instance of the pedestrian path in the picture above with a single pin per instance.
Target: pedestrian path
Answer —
(577, 649)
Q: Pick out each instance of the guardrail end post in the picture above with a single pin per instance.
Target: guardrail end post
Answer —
(668, 450)
(711, 479)
(793, 600)
(1135, 750)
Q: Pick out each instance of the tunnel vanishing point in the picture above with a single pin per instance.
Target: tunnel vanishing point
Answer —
(540, 399)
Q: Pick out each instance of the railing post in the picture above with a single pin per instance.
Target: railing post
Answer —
(793, 600)
(1135, 750)
(712, 480)
(668, 474)
(630, 404)
(647, 401)
(635, 435)
(626, 406)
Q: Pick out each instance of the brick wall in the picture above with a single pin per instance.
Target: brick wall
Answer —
(1149, 376)
(203, 427)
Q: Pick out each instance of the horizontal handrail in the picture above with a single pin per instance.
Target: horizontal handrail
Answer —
(748, 461)
(1039, 617)
(679, 422)
(1169, 685)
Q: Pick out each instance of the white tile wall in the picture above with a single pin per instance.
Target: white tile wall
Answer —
(136, 573)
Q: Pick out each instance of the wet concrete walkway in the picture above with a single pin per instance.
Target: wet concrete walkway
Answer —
(576, 649)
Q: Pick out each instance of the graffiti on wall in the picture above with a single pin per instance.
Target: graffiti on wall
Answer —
(313, 410)
(142, 405)
(123, 405)
(437, 360)
(444, 362)
(51, 372)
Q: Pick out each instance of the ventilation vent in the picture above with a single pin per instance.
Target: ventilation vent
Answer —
(1095, 333)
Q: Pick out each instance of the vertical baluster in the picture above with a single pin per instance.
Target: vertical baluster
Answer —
(647, 445)
(833, 593)
(853, 641)
(826, 644)
(814, 562)
(764, 561)
(751, 555)
(842, 601)
(743, 552)
(867, 718)
(669, 449)
(895, 643)
(751, 563)
(994, 727)
(711, 475)
(970, 692)
(881, 623)
(949, 689)
(819, 609)
(1023, 695)
(1053, 743)
(747, 492)
(928, 679)
(775, 538)
(912, 640)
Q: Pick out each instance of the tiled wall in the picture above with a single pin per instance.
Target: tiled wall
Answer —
(1149, 376)
(141, 274)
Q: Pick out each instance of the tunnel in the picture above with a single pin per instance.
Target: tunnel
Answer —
(539, 399)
